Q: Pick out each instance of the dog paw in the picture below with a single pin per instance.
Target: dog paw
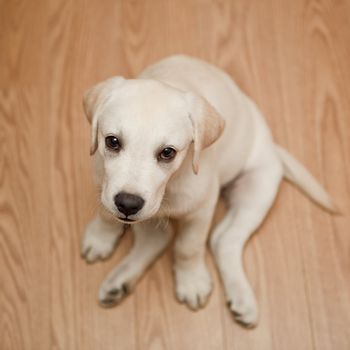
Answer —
(117, 285)
(243, 307)
(193, 286)
(112, 295)
(98, 241)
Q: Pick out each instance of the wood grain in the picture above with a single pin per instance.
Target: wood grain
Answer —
(292, 57)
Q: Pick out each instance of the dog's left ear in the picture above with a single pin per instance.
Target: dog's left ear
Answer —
(94, 98)
(207, 124)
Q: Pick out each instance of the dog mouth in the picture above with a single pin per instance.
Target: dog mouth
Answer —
(126, 219)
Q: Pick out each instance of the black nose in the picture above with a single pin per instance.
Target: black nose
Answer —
(127, 203)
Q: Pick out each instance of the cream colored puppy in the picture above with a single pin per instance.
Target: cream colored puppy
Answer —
(165, 146)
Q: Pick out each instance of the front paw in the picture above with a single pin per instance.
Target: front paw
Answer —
(117, 285)
(193, 286)
(112, 295)
(242, 304)
(99, 240)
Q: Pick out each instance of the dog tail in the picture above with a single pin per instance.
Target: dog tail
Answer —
(299, 176)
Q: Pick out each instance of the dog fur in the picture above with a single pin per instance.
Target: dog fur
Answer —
(223, 147)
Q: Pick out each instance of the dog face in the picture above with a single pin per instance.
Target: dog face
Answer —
(143, 130)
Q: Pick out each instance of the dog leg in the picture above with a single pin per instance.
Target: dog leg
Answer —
(193, 282)
(250, 198)
(150, 239)
(100, 237)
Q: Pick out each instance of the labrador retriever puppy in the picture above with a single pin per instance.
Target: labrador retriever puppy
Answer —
(166, 145)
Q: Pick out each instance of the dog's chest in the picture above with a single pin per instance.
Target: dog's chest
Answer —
(176, 206)
(180, 199)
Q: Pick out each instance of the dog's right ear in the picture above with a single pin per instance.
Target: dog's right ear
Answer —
(95, 98)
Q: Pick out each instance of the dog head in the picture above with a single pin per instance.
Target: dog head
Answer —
(143, 130)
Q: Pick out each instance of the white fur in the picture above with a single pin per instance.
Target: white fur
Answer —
(101, 236)
(185, 103)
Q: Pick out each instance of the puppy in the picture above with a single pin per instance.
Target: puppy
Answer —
(166, 145)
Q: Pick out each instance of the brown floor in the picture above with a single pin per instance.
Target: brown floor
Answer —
(292, 57)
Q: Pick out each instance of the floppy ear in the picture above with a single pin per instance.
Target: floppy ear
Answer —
(207, 124)
(94, 98)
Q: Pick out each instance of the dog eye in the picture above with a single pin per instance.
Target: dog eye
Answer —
(167, 154)
(112, 143)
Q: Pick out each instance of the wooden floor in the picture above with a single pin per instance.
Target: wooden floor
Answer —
(292, 57)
